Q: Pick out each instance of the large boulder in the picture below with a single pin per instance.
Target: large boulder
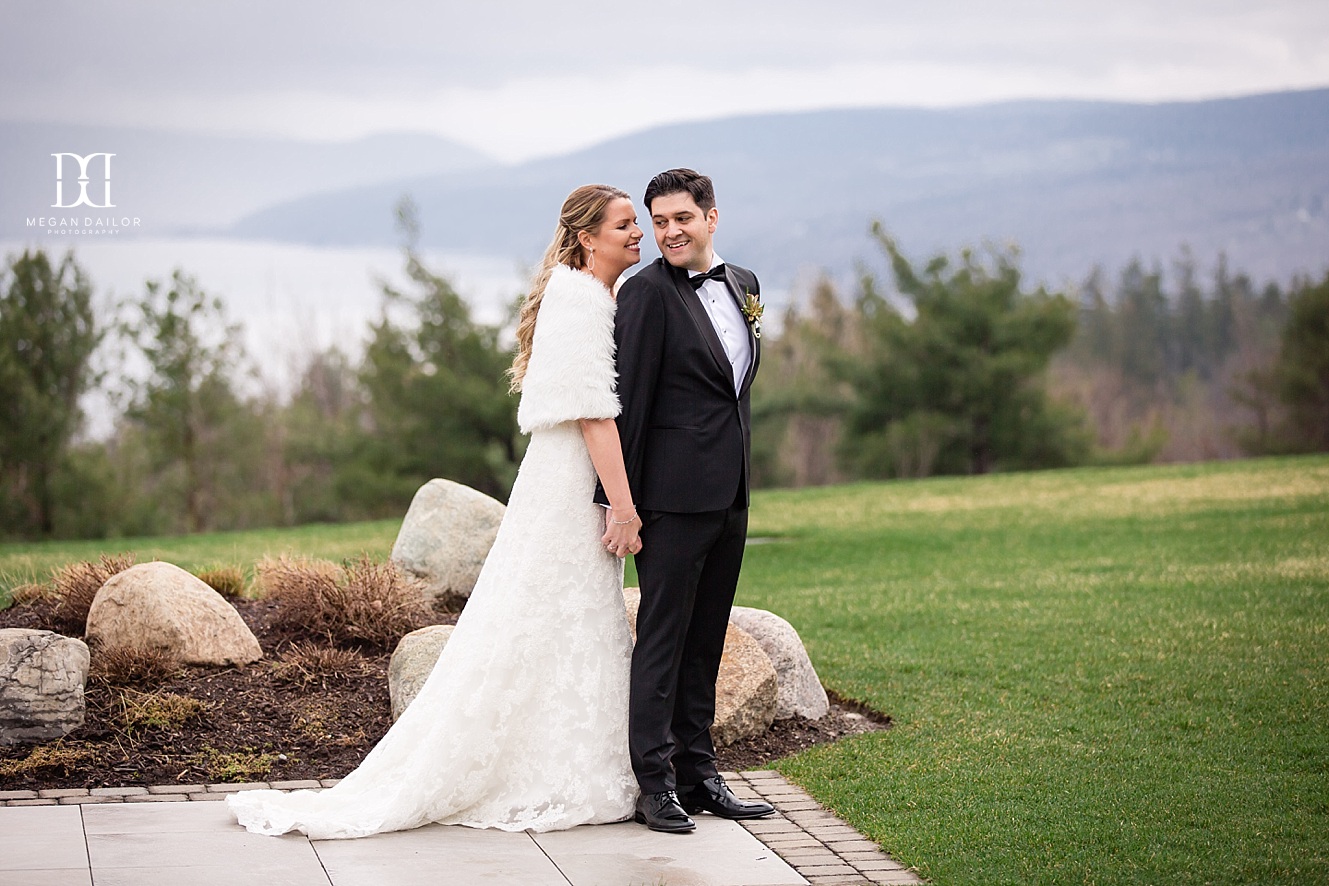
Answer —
(745, 691)
(631, 603)
(798, 689)
(445, 537)
(160, 606)
(412, 661)
(42, 675)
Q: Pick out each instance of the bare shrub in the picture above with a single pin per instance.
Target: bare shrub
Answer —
(229, 581)
(358, 603)
(308, 663)
(131, 666)
(75, 585)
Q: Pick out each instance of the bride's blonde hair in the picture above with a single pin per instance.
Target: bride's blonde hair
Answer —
(584, 210)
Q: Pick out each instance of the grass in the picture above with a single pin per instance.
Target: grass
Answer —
(1098, 676)
(46, 759)
(237, 766)
(148, 710)
(23, 563)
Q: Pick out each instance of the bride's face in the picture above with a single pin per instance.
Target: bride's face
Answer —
(617, 242)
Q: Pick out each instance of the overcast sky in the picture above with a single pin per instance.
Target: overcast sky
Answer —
(532, 77)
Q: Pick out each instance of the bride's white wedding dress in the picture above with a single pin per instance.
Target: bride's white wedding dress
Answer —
(522, 724)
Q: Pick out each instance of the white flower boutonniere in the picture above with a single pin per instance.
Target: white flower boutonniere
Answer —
(752, 310)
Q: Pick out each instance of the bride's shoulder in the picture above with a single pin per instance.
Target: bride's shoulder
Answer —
(566, 282)
(573, 299)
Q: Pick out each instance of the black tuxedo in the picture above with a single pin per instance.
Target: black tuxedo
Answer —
(686, 434)
(686, 440)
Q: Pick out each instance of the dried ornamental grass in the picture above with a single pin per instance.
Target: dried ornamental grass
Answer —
(27, 594)
(75, 585)
(229, 581)
(308, 663)
(131, 666)
(358, 603)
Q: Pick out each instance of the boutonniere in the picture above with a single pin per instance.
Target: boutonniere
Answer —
(752, 310)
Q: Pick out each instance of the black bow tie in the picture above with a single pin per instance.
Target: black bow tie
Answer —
(715, 273)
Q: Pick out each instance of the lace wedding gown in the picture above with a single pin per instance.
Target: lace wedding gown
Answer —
(522, 724)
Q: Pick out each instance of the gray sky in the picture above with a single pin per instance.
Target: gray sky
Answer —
(532, 77)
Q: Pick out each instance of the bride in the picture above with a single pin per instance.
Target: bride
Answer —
(522, 724)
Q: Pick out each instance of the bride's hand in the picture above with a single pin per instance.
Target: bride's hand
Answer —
(622, 538)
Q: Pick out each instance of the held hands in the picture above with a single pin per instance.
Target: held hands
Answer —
(622, 526)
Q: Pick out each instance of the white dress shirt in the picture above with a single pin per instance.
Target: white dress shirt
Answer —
(728, 321)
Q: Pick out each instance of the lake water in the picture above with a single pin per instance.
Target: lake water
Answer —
(291, 300)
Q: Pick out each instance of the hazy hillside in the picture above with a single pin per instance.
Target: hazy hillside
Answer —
(177, 182)
(1074, 183)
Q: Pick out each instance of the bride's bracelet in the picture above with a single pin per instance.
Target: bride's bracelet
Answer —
(627, 522)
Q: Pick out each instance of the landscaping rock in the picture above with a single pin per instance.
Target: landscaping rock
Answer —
(412, 661)
(160, 606)
(631, 602)
(745, 692)
(42, 675)
(445, 537)
(798, 689)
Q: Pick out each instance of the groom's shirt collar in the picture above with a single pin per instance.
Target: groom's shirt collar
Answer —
(716, 261)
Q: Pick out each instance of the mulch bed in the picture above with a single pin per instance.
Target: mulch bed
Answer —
(257, 723)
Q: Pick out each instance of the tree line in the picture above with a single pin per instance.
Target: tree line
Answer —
(949, 366)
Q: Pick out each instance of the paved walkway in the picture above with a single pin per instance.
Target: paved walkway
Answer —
(172, 836)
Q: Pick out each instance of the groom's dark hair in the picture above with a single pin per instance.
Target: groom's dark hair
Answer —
(672, 181)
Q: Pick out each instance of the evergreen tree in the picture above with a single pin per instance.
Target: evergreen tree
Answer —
(191, 419)
(798, 408)
(47, 337)
(957, 387)
(438, 404)
(1302, 371)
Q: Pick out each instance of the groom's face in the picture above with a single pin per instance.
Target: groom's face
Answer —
(682, 231)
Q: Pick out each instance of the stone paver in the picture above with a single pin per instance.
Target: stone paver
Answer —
(176, 788)
(118, 792)
(232, 788)
(128, 836)
(717, 852)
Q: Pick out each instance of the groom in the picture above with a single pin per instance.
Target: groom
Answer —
(688, 347)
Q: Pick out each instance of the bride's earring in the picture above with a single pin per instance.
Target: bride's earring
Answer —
(590, 259)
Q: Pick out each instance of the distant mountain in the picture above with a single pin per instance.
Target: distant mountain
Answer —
(1074, 183)
(176, 182)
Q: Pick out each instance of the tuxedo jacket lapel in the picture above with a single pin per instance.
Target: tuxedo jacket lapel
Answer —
(703, 322)
(739, 293)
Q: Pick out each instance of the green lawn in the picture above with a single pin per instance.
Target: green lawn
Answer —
(1098, 676)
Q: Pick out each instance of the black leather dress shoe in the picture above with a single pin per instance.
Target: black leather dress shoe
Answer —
(661, 812)
(715, 797)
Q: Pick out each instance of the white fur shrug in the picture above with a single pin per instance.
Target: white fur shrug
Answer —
(571, 373)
